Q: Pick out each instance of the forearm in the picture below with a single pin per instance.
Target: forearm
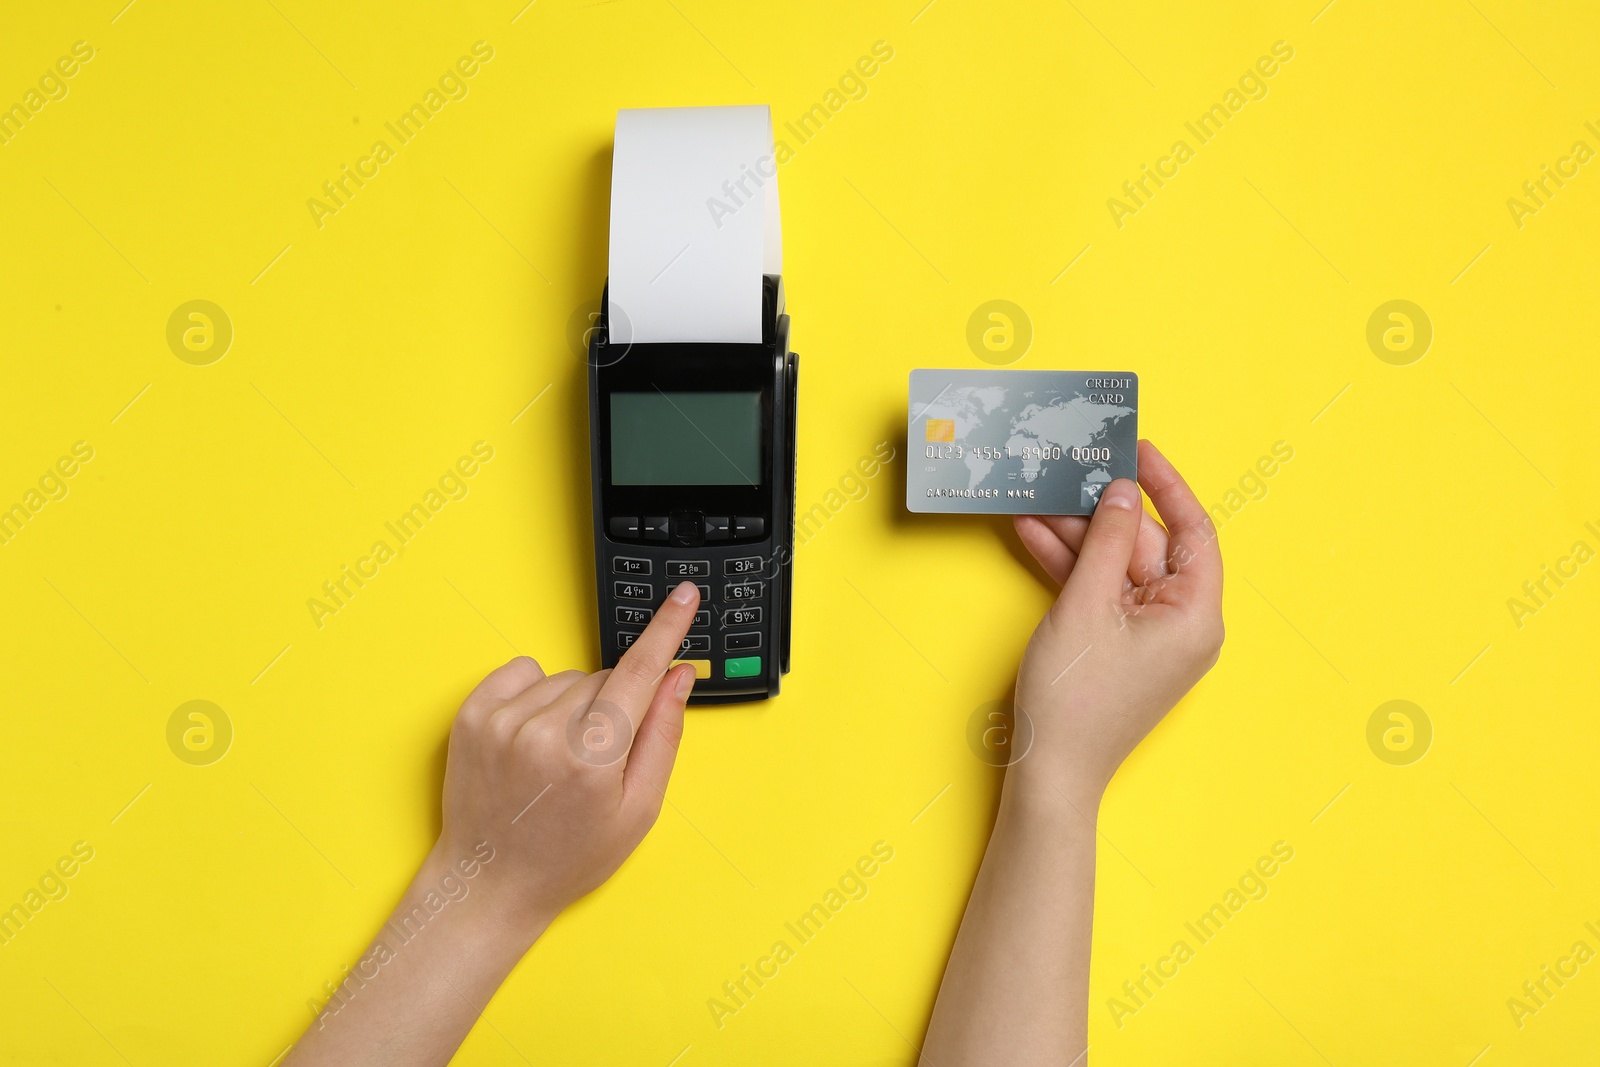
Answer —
(1016, 988)
(419, 987)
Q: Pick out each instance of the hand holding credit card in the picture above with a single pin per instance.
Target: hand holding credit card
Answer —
(1019, 442)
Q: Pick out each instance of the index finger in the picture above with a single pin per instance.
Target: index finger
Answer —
(1192, 551)
(638, 673)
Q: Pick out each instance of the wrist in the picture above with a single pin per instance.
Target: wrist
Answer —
(1044, 791)
(465, 889)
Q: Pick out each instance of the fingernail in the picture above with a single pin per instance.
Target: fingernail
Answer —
(685, 593)
(685, 683)
(1120, 494)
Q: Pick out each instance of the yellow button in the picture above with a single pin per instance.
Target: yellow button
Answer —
(702, 667)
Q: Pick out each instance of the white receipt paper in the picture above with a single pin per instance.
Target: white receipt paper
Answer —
(694, 223)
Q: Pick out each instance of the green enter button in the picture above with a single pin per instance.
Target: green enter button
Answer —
(741, 667)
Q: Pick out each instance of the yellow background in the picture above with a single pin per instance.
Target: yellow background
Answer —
(370, 353)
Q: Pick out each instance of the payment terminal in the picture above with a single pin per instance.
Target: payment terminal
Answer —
(692, 398)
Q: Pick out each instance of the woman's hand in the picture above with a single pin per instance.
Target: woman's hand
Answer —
(1137, 622)
(564, 774)
(551, 783)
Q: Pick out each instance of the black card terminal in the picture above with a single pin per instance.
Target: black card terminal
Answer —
(692, 448)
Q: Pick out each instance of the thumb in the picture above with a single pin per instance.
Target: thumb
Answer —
(655, 747)
(1107, 545)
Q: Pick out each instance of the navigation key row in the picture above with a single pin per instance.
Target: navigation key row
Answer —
(688, 528)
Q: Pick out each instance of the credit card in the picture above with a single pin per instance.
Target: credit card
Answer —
(1019, 442)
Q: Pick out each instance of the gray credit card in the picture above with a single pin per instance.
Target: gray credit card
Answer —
(1019, 442)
